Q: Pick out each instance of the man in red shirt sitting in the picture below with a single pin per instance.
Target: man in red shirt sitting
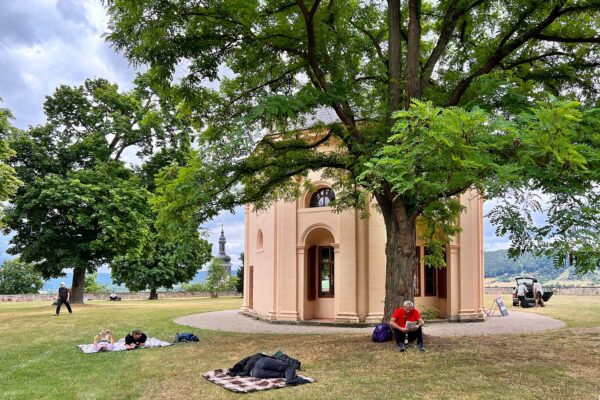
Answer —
(408, 313)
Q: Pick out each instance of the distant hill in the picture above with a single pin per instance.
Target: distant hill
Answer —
(105, 279)
(499, 266)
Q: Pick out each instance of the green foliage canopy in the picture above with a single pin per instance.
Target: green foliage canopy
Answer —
(80, 206)
(8, 181)
(164, 263)
(478, 70)
(91, 285)
(18, 277)
(217, 278)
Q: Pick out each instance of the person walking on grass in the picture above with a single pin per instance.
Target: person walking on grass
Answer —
(407, 321)
(64, 295)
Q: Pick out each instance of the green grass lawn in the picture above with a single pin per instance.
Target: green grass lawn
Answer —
(39, 360)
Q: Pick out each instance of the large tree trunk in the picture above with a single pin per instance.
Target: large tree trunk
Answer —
(77, 285)
(413, 53)
(395, 56)
(401, 237)
(153, 295)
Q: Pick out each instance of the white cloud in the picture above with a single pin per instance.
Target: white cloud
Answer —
(52, 43)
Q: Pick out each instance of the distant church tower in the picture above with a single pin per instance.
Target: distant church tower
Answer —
(225, 259)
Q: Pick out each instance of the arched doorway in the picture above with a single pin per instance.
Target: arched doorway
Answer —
(319, 273)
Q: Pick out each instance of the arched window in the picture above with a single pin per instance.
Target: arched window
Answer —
(322, 197)
(259, 241)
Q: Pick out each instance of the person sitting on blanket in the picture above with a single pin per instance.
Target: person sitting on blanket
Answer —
(263, 366)
(135, 339)
(407, 313)
(104, 341)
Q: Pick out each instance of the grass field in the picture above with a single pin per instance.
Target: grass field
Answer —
(39, 360)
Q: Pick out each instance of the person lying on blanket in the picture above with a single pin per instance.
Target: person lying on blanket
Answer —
(263, 366)
(104, 341)
(135, 339)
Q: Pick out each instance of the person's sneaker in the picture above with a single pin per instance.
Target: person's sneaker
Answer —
(401, 347)
(421, 347)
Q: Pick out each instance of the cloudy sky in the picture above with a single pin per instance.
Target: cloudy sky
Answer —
(45, 43)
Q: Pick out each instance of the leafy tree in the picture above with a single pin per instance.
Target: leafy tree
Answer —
(239, 287)
(8, 180)
(91, 285)
(80, 206)
(217, 278)
(164, 263)
(18, 277)
(432, 99)
(81, 220)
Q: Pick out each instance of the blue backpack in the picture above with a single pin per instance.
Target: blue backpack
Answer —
(186, 338)
(382, 333)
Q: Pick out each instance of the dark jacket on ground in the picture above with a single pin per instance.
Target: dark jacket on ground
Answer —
(263, 366)
(243, 367)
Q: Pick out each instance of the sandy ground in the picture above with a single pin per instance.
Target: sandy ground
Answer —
(515, 322)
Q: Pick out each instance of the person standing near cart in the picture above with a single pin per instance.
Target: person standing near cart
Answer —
(64, 295)
(538, 294)
(521, 293)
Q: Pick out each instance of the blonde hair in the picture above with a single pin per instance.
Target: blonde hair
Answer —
(105, 334)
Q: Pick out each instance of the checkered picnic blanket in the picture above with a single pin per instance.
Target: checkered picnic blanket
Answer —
(245, 384)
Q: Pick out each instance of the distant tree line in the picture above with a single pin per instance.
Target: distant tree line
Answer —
(498, 264)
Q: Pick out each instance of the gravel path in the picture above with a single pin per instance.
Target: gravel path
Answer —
(233, 321)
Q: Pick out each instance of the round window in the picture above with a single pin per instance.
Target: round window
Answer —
(322, 197)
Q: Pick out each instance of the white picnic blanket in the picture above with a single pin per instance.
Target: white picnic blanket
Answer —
(120, 345)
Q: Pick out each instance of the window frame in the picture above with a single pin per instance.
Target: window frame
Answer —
(430, 280)
(331, 292)
(417, 273)
(317, 195)
(442, 279)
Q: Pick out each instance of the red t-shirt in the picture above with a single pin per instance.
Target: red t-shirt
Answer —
(401, 317)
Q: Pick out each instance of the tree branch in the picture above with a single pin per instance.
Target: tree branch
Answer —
(451, 17)
(296, 145)
(343, 114)
(376, 43)
(500, 53)
(520, 20)
(552, 38)
(534, 58)
(269, 82)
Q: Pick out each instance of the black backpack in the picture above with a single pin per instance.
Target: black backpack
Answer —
(186, 338)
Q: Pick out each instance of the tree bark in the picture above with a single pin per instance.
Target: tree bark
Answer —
(394, 57)
(401, 236)
(77, 285)
(413, 54)
(153, 294)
